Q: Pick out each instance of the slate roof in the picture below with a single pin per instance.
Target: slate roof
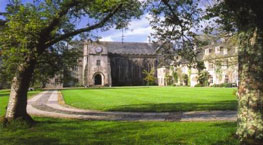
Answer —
(231, 52)
(129, 48)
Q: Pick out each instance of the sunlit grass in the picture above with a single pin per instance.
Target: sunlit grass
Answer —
(152, 99)
(4, 94)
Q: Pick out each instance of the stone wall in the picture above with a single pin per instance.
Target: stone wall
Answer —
(127, 70)
(91, 68)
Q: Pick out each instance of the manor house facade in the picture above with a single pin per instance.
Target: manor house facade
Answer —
(220, 61)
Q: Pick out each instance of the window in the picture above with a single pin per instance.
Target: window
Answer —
(221, 49)
(210, 51)
(98, 63)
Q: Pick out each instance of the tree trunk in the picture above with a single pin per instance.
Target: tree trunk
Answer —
(18, 96)
(250, 89)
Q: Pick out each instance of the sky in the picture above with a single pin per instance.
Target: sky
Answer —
(138, 30)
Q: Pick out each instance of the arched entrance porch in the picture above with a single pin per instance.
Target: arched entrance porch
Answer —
(98, 79)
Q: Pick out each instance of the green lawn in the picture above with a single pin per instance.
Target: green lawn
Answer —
(76, 132)
(73, 132)
(4, 99)
(152, 99)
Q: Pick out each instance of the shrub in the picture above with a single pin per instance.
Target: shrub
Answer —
(149, 76)
(175, 77)
(185, 77)
(199, 85)
(226, 85)
(203, 78)
(235, 92)
(169, 80)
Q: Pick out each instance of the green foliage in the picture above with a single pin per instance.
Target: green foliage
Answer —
(200, 66)
(234, 92)
(186, 79)
(169, 80)
(226, 85)
(36, 34)
(60, 63)
(180, 75)
(245, 19)
(175, 23)
(189, 75)
(175, 77)
(199, 85)
(241, 17)
(149, 77)
(203, 77)
(218, 70)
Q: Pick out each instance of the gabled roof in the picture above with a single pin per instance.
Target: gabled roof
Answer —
(129, 48)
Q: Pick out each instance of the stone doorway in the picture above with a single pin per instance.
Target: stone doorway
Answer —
(98, 79)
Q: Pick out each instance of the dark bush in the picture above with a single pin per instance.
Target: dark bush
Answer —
(199, 85)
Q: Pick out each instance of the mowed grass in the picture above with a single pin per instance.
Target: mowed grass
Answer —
(73, 132)
(49, 131)
(4, 94)
(152, 99)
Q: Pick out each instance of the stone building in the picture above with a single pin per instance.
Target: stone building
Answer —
(123, 63)
(220, 62)
(114, 63)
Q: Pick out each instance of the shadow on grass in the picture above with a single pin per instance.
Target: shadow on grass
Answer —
(57, 131)
(110, 88)
(225, 124)
(232, 139)
(4, 93)
(34, 140)
(177, 107)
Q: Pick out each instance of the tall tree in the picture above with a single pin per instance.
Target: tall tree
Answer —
(175, 23)
(63, 57)
(28, 31)
(241, 17)
(245, 19)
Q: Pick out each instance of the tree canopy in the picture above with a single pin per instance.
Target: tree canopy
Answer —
(173, 21)
(30, 35)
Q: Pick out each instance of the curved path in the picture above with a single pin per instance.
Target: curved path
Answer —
(46, 104)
